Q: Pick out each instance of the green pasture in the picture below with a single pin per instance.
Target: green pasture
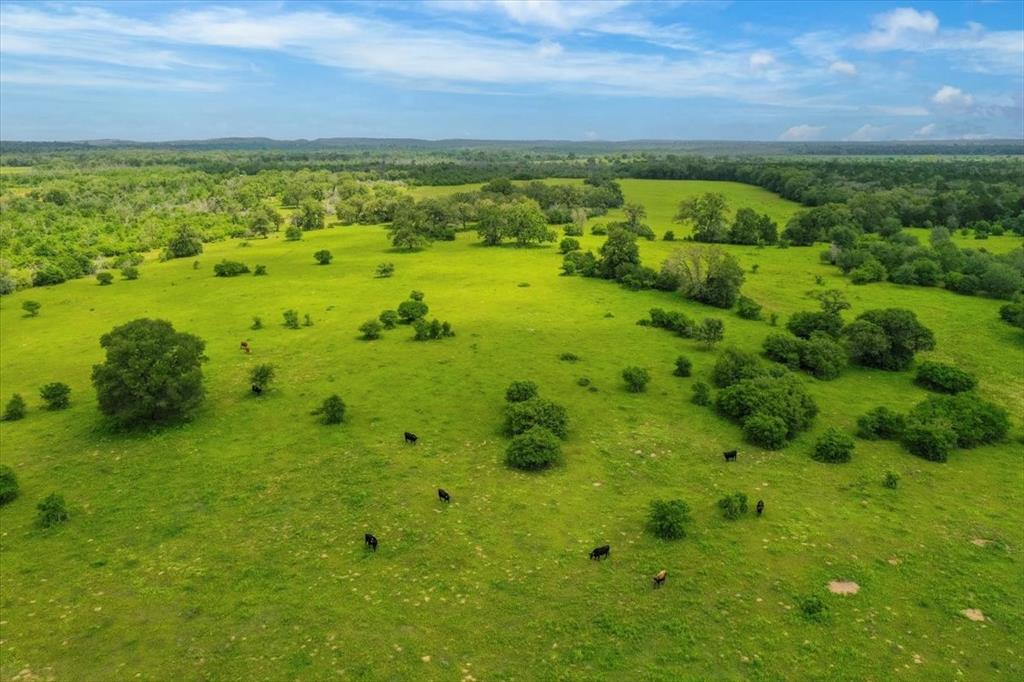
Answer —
(231, 547)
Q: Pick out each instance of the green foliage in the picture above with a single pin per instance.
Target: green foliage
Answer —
(15, 408)
(765, 430)
(619, 250)
(293, 233)
(636, 379)
(371, 329)
(431, 331)
(684, 366)
(580, 263)
(735, 365)
(669, 236)
(229, 268)
(257, 322)
(733, 506)
(938, 376)
(569, 244)
(701, 394)
(534, 449)
(709, 332)
(820, 356)
(415, 295)
(973, 421)
(323, 257)
(260, 271)
(931, 440)
(833, 446)
(412, 310)
(332, 410)
(307, 320)
(1011, 313)
(886, 339)
(519, 391)
(56, 395)
(881, 423)
(807, 322)
(261, 375)
(891, 480)
(748, 308)
(105, 278)
(130, 272)
(813, 608)
(704, 273)
(673, 321)
(8, 485)
(51, 510)
(668, 519)
(31, 308)
(151, 373)
(784, 397)
(524, 415)
(184, 244)
(389, 319)
(291, 319)
(871, 270)
(311, 216)
(385, 270)
(707, 215)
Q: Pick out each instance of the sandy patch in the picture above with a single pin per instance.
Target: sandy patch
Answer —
(893, 561)
(981, 542)
(843, 587)
(973, 614)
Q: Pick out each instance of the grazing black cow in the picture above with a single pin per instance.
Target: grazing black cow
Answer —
(730, 455)
(443, 495)
(659, 577)
(256, 389)
(760, 507)
(371, 541)
(600, 552)
(411, 438)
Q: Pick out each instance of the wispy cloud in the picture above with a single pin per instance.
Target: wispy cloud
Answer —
(802, 133)
(868, 133)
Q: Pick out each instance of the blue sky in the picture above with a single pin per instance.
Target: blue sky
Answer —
(512, 70)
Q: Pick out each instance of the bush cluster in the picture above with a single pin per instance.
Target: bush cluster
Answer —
(820, 355)
(671, 320)
(833, 446)
(748, 308)
(886, 339)
(940, 423)
(230, 268)
(735, 365)
(431, 331)
(519, 391)
(780, 404)
(881, 423)
(371, 330)
(524, 415)
(733, 506)
(938, 376)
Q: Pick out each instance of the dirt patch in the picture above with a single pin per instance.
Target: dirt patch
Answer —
(893, 561)
(974, 614)
(843, 587)
(981, 542)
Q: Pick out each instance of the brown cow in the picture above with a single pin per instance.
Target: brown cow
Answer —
(659, 577)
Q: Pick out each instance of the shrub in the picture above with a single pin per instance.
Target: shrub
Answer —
(583, 381)
(683, 366)
(733, 506)
(938, 376)
(673, 321)
(735, 365)
(536, 448)
(783, 397)
(765, 430)
(389, 319)
(415, 295)
(599, 230)
(56, 395)
(385, 270)
(522, 416)
(569, 357)
(257, 323)
(891, 480)
(748, 308)
(709, 332)
(813, 608)
(668, 519)
(784, 348)
(260, 271)
(15, 409)
(669, 236)
(833, 446)
(518, 391)
(569, 244)
(130, 272)
(701, 394)
(886, 339)
(332, 410)
(293, 233)
(880, 423)
(431, 331)
(31, 308)
(104, 278)
(412, 310)
(636, 379)
(307, 321)
(871, 270)
(291, 319)
(371, 330)
(806, 322)
(972, 420)
(261, 375)
(8, 485)
(929, 440)
(323, 257)
(52, 510)
(151, 372)
(230, 268)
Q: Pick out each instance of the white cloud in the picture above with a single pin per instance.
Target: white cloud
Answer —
(926, 130)
(952, 97)
(843, 68)
(897, 110)
(761, 60)
(895, 28)
(867, 133)
(802, 133)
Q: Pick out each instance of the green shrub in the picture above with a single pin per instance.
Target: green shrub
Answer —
(332, 410)
(293, 233)
(371, 330)
(701, 394)
(784, 397)
(709, 332)
(569, 357)
(261, 375)
(683, 366)
(938, 376)
(104, 278)
(569, 244)
(257, 323)
(522, 416)
(733, 506)
(929, 440)
(130, 272)
(8, 485)
(323, 257)
(31, 308)
(805, 323)
(599, 230)
(56, 395)
(291, 319)
(636, 379)
(260, 271)
(735, 365)
(880, 423)
(534, 449)
(886, 339)
(973, 421)
(669, 236)
(891, 480)
(385, 270)
(668, 519)
(389, 319)
(15, 409)
(415, 295)
(748, 308)
(813, 608)
(673, 321)
(412, 310)
(431, 331)
(307, 321)
(765, 430)
(519, 391)
(833, 446)
(52, 510)
(230, 268)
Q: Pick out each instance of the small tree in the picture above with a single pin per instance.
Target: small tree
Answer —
(104, 278)
(536, 448)
(261, 375)
(636, 379)
(56, 395)
(833, 446)
(31, 308)
(332, 411)
(52, 510)
(371, 330)
(701, 394)
(130, 272)
(385, 270)
(389, 319)
(412, 310)
(668, 519)
(683, 366)
(709, 332)
(293, 233)
(518, 391)
(733, 506)
(8, 485)
(291, 319)
(185, 243)
(15, 409)
(323, 257)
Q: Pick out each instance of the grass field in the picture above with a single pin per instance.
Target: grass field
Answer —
(230, 548)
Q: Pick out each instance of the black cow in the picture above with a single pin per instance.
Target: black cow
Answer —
(371, 541)
(730, 455)
(659, 577)
(760, 507)
(257, 389)
(411, 438)
(600, 552)
(443, 495)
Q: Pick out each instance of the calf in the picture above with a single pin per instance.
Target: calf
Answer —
(730, 455)
(760, 507)
(600, 552)
(256, 389)
(659, 577)
(443, 495)
(411, 438)
(371, 541)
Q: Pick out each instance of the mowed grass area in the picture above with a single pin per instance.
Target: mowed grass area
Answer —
(231, 547)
